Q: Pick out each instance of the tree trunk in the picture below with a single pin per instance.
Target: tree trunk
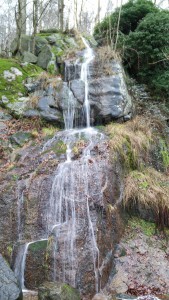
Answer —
(61, 14)
(75, 14)
(19, 23)
(98, 11)
(35, 22)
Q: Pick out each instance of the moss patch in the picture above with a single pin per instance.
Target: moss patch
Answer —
(10, 89)
(148, 228)
(41, 245)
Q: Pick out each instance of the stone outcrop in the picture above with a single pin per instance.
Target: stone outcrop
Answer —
(108, 97)
(9, 289)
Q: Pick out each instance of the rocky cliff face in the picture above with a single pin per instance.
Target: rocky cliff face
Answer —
(25, 202)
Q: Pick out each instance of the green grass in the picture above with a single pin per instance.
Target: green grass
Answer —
(148, 228)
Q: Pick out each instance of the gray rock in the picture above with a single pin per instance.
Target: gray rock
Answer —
(45, 103)
(72, 70)
(5, 116)
(29, 57)
(44, 57)
(70, 42)
(31, 113)
(3, 127)
(119, 282)
(9, 76)
(18, 107)
(51, 39)
(40, 42)
(109, 98)
(9, 289)
(78, 90)
(26, 44)
(52, 115)
(66, 98)
(4, 100)
(20, 138)
(16, 71)
(31, 87)
(57, 291)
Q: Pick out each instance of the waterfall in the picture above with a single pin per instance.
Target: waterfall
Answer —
(75, 183)
(88, 57)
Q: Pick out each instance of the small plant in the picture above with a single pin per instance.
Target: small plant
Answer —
(49, 131)
(9, 249)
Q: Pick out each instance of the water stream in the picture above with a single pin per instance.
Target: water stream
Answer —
(75, 183)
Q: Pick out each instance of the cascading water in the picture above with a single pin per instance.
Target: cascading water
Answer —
(88, 57)
(75, 184)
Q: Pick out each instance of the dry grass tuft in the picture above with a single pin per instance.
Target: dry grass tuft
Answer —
(33, 100)
(131, 141)
(150, 189)
(104, 56)
(106, 53)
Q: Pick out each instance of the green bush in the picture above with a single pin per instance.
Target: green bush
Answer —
(147, 51)
(131, 14)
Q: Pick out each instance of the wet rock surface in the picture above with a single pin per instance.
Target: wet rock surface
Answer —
(9, 289)
(26, 191)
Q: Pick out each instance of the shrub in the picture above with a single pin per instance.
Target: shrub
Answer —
(147, 51)
(131, 14)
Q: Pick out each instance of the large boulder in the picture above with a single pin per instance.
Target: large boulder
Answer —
(108, 95)
(44, 57)
(27, 44)
(109, 98)
(9, 289)
(57, 291)
(29, 57)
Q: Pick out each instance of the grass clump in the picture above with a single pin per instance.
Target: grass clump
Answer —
(149, 189)
(131, 141)
(49, 131)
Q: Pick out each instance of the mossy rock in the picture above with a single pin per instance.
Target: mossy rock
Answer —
(39, 245)
(57, 291)
(29, 57)
(12, 89)
(45, 57)
(51, 68)
(27, 44)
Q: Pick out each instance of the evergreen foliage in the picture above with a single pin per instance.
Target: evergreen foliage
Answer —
(147, 51)
(131, 14)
